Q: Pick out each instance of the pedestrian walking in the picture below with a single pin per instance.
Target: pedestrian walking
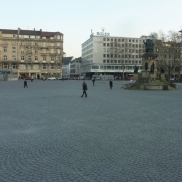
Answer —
(84, 89)
(111, 84)
(25, 83)
(93, 81)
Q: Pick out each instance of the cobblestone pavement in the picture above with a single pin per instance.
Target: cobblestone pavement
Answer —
(49, 133)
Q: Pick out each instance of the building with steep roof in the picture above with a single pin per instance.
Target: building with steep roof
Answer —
(31, 52)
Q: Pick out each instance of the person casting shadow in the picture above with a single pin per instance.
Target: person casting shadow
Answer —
(84, 89)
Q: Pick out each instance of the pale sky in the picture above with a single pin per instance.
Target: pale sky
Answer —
(76, 18)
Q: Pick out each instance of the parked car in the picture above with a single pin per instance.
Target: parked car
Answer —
(29, 78)
(51, 78)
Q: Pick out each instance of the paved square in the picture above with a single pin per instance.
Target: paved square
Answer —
(49, 133)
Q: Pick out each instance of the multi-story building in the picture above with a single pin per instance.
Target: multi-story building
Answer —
(31, 52)
(104, 54)
(75, 67)
(66, 66)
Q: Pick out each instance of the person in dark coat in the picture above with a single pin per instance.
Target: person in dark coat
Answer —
(84, 89)
(111, 84)
(93, 81)
(25, 83)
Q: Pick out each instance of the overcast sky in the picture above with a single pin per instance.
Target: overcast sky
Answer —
(76, 18)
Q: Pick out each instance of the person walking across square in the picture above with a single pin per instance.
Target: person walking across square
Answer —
(25, 83)
(93, 81)
(111, 84)
(84, 85)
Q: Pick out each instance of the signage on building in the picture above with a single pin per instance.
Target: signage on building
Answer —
(100, 34)
(103, 33)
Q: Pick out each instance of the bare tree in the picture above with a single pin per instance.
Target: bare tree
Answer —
(169, 54)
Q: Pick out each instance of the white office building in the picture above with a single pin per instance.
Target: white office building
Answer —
(105, 54)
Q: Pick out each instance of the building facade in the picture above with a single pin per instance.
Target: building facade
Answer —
(31, 52)
(66, 66)
(104, 54)
(75, 67)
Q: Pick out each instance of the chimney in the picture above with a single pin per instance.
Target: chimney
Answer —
(19, 30)
(34, 29)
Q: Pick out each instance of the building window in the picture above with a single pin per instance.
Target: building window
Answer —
(29, 50)
(136, 56)
(52, 58)
(104, 44)
(14, 66)
(5, 58)
(104, 55)
(44, 58)
(28, 43)
(107, 39)
(119, 40)
(111, 55)
(107, 61)
(107, 44)
(22, 58)
(36, 58)
(52, 67)
(111, 61)
(104, 39)
(111, 39)
(44, 66)
(139, 62)
(14, 58)
(115, 55)
(35, 67)
(59, 58)
(29, 58)
(5, 66)
(115, 40)
(13, 49)
(36, 51)
(5, 49)
(107, 55)
(119, 61)
(22, 67)
(36, 43)
(104, 61)
(115, 61)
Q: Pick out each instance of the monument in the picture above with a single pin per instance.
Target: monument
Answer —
(150, 78)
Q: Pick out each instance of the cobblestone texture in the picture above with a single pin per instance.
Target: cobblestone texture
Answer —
(49, 133)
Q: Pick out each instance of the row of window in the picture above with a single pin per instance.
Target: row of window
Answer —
(88, 47)
(123, 51)
(123, 45)
(29, 58)
(35, 43)
(14, 66)
(33, 36)
(109, 67)
(122, 40)
(88, 52)
(29, 50)
(122, 61)
(121, 56)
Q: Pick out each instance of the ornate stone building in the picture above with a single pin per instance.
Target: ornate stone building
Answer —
(31, 52)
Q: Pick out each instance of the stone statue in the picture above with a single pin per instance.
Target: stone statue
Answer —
(136, 69)
(146, 66)
(149, 46)
(152, 68)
